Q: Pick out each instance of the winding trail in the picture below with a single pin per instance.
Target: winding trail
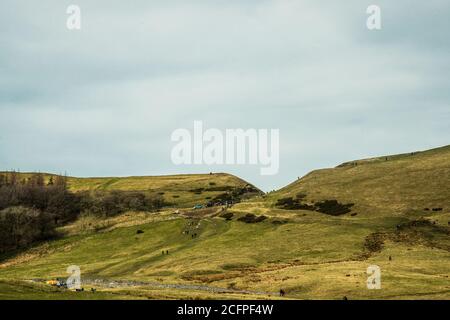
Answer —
(108, 283)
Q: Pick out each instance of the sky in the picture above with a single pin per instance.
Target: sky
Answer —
(104, 100)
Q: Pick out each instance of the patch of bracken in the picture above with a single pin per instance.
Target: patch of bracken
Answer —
(251, 218)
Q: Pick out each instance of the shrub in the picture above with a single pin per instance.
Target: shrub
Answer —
(333, 207)
(374, 242)
(227, 215)
(20, 226)
(288, 203)
(251, 218)
(116, 202)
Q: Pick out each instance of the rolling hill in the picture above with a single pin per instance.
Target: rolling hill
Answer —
(303, 245)
(177, 190)
(397, 185)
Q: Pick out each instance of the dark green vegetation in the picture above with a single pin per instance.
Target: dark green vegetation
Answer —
(30, 209)
(251, 218)
(331, 207)
(314, 238)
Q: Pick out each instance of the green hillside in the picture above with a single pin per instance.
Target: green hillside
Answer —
(398, 185)
(263, 244)
(177, 190)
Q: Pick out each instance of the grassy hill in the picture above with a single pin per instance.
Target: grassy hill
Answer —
(177, 190)
(257, 247)
(398, 185)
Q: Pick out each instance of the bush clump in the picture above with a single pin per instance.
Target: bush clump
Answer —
(116, 202)
(21, 226)
(374, 242)
(227, 215)
(333, 207)
(289, 203)
(251, 218)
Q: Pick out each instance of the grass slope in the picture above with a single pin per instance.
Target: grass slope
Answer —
(392, 185)
(177, 190)
(310, 257)
(308, 254)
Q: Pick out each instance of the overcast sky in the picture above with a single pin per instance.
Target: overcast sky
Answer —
(104, 100)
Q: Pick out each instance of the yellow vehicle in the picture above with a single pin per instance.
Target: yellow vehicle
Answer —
(52, 282)
(58, 282)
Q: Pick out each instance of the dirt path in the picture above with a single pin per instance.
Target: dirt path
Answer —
(116, 284)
